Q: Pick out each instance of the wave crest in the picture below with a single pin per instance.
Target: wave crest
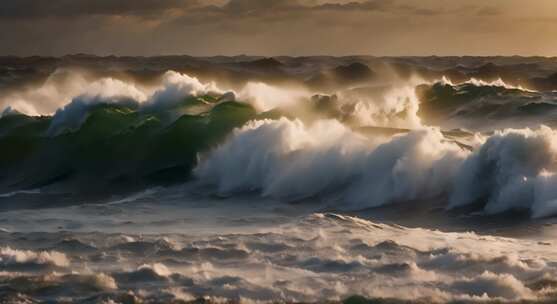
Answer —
(285, 159)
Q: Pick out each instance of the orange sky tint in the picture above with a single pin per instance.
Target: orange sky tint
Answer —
(279, 27)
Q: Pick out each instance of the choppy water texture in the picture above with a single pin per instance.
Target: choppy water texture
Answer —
(167, 246)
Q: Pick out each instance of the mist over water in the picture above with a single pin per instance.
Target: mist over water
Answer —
(304, 187)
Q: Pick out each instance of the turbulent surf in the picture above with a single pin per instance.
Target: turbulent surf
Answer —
(355, 179)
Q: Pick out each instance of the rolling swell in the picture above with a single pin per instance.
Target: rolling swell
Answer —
(115, 143)
(481, 105)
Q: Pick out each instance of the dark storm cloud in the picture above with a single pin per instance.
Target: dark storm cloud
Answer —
(77, 8)
(283, 10)
(488, 11)
(22, 9)
(247, 6)
(359, 6)
(277, 27)
(301, 6)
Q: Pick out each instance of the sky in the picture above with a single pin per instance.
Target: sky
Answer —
(278, 27)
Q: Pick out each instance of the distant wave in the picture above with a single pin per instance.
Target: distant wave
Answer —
(482, 105)
(14, 193)
(482, 83)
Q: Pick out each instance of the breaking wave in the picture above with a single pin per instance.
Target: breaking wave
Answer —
(291, 183)
(362, 147)
(285, 159)
(482, 83)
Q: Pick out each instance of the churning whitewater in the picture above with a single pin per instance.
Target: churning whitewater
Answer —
(284, 159)
(309, 185)
(314, 258)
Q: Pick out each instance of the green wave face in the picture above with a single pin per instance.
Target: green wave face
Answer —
(468, 101)
(116, 145)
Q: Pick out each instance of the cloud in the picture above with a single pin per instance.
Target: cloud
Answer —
(281, 27)
(489, 11)
(366, 5)
(250, 6)
(76, 8)
(80, 8)
(305, 7)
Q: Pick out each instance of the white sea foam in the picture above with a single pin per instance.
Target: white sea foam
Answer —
(320, 257)
(512, 170)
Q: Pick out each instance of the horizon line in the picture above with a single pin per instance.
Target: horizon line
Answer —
(275, 56)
